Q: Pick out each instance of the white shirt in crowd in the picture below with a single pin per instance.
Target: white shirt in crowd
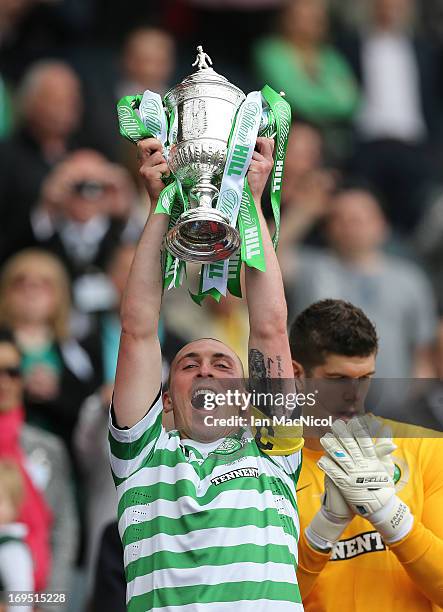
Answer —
(391, 105)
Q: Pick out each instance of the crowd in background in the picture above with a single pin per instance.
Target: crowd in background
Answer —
(362, 220)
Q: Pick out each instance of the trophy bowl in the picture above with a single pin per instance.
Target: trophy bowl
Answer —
(202, 235)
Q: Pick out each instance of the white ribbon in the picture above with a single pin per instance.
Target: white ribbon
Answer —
(153, 115)
(239, 156)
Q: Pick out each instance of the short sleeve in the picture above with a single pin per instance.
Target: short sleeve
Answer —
(130, 448)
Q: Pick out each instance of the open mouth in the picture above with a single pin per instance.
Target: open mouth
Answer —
(203, 399)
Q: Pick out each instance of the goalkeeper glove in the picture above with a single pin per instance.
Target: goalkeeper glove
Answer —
(330, 521)
(335, 515)
(363, 478)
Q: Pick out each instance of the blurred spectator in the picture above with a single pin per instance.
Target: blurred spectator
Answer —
(307, 184)
(45, 468)
(429, 243)
(51, 106)
(110, 584)
(86, 208)
(57, 371)
(317, 80)
(34, 512)
(11, 11)
(393, 292)
(146, 61)
(426, 405)
(91, 446)
(304, 155)
(16, 572)
(50, 469)
(400, 108)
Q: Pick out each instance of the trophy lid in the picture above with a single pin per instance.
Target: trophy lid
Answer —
(205, 81)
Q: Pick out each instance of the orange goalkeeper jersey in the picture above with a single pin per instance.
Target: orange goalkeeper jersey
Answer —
(362, 574)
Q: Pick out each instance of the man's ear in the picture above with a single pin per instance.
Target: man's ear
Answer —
(298, 369)
(167, 402)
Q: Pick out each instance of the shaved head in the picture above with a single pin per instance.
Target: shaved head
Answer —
(196, 346)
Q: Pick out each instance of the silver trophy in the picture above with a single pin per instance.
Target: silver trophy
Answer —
(205, 104)
(200, 113)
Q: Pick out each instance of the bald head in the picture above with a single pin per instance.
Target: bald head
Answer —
(50, 98)
(208, 347)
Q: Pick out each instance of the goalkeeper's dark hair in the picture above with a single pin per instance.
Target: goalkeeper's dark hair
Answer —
(331, 327)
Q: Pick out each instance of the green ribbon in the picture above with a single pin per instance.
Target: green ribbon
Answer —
(281, 112)
(130, 123)
(234, 271)
(173, 268)
(201, 295)
(252, 252)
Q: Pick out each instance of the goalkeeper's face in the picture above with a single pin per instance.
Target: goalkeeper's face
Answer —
(341, 384)
(201, 374)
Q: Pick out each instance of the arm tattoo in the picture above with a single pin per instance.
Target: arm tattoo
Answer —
(257, 367)
(279, 366)
(265, 376)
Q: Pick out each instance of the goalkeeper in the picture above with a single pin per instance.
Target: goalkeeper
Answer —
(371, 529)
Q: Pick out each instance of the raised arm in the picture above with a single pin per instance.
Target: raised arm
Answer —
(139, 367)
(269, 354)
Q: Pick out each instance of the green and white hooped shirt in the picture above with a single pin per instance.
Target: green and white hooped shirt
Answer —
(205, 527)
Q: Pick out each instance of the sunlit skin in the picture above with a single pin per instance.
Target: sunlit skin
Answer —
(7, 510)
(340, 385)
(202, 364)
(10, 388)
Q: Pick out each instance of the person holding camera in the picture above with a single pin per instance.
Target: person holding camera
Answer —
(85, 210)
